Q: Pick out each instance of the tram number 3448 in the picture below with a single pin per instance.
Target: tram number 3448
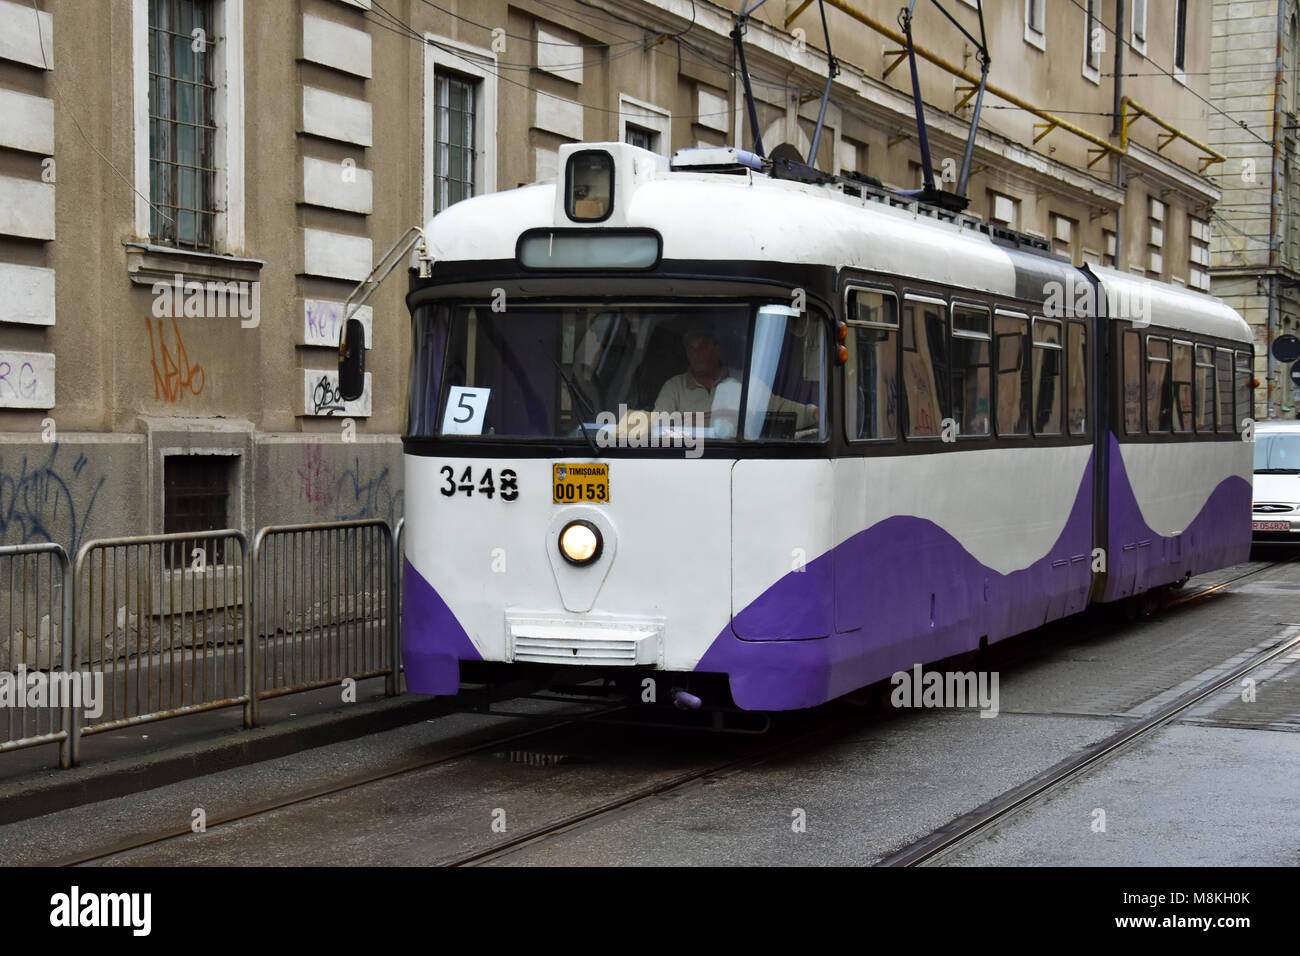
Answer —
(506, 483)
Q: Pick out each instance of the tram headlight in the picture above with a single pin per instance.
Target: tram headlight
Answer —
(581, 542)
(589, 186)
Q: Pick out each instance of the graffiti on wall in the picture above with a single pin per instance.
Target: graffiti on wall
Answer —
(326, 398)
(176, 375)
(355, 493)
(37, 502)
(316, 480)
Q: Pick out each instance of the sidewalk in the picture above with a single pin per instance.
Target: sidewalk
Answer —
(150, 755)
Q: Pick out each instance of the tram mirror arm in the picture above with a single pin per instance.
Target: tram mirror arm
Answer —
(352, 360)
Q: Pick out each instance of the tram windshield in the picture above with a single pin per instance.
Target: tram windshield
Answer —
(626, 374)
(1277, 453)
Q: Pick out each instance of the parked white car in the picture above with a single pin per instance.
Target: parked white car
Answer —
(1275, 514)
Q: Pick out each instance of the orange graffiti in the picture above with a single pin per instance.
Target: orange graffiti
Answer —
(177, 375)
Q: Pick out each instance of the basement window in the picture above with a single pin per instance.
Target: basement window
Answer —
(196, 498)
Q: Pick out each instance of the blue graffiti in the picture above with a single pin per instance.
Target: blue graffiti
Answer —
(374, 498)
(36, 503)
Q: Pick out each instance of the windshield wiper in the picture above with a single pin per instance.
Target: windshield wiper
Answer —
(578, 399)
(1277, 471)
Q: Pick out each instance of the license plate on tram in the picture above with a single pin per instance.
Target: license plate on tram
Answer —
(1270, 526)
(580, 482)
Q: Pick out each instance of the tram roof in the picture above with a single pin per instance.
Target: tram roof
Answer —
(743, 215)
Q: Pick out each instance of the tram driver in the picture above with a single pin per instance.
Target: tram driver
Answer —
(695, 389)
(711, 390)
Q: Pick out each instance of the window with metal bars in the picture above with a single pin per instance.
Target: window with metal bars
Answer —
(182, 125)
(642, 137)
(196, 496)
(454, 154)
(1092, 40)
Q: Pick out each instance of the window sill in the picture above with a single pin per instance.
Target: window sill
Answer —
(1035, 39)
(147, 264)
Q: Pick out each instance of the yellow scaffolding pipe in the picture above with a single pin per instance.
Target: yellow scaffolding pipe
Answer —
(1100, 146)
(1131, 111)
(797, 10)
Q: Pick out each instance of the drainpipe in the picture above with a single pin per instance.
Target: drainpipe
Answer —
(1121, 257)
(1275, 198)
(1119, 67)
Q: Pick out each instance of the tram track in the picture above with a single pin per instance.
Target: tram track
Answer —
(981, 821)
(339, 787)
(977, 820)
(1202, 593)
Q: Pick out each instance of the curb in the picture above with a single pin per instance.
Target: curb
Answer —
(63, 789)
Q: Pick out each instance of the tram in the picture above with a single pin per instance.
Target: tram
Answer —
(766, 435)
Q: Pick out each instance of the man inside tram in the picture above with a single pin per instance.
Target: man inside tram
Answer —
(712, 390)
(695, 389)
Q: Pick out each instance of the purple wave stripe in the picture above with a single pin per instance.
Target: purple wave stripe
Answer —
(1139, 558)
(932, 599)
(921, 597)
(433, 641)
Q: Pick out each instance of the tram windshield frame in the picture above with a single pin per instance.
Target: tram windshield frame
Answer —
(640, 373)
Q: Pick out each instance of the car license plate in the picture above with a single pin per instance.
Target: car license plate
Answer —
(580, 482)
(1270, 526)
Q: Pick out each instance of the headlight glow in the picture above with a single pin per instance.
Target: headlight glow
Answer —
(580, 542)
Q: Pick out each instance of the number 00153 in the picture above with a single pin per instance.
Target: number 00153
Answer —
(580, 482)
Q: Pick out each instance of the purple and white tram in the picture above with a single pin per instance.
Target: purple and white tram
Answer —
(782, 439)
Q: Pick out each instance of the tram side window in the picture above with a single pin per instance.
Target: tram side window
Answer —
(1245, 389)
(1158, 399)
(1181, 407)
(1047, 377)
(925, 367)
(1205, 399)
(1013, 374)
(972, 381)
(1132, 384)
(1223, 372)
(871, 376)
(1077, 406)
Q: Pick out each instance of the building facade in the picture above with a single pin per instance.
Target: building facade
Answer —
(190, 189)
(1256, 249)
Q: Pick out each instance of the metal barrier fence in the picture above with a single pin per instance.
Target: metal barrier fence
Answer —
(144, 628)
(324, 606)
(36, 668)
(163, 620)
